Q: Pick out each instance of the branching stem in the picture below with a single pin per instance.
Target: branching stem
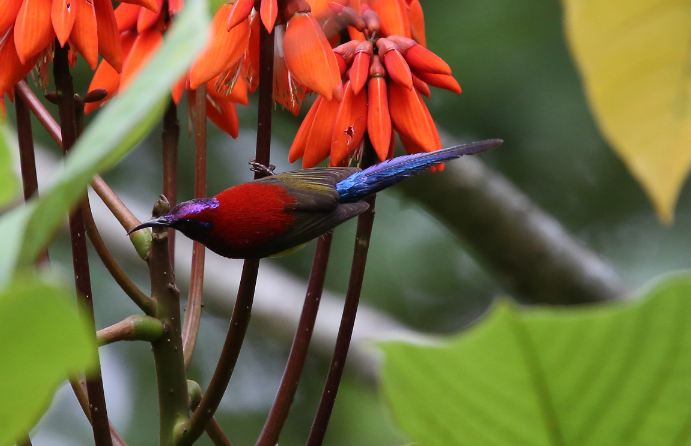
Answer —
(243, 305)
(298, 352)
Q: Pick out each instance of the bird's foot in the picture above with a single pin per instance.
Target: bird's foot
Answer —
(262, 169)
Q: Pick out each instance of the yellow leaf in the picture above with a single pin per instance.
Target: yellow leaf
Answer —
(635, 61)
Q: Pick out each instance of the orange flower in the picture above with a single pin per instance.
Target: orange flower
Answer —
(396, 71)
(303, 58)
(30, 27)
(223, 92)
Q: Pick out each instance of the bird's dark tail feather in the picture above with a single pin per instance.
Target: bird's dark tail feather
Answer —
(384, 175)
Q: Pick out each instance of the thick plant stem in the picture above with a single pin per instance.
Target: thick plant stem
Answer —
(170, 139)
(66, 108)
(345, 331)
(243, 305)
(27, 157)
(173, 401)
(193, 311)
(298, 352)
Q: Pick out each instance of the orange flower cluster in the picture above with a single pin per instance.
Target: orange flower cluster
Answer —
(141, 34)
(28, 29)
(386, 78)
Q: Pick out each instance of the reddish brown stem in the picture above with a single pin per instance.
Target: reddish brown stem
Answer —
(345, 331)
(193, 312)
(298, 352)
(80, 259)
(170, 137)
(243, 305)
(27, 157)
(42, 114)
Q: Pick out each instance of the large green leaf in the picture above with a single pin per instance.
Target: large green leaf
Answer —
(634, 60)
(43, 340)
(8, 182)
(116, 130)
(603, 375)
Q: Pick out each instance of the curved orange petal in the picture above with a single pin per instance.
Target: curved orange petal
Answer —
(224, 115)
(148, 18)
(105, 78)
(269, 12)
(410, 116)
(440, 81)
(252, 54)
(297, 149)
(350, 125)
(398, 69)
(151, 5)
(318, 143)
(109, 45)
(310, 58)
(417, 22)
(33, 29)
(393, 17)
(84, 35)
(432, 125)
(126, 16)
(143, 49)
(359, 71)
(239, 11)
(354, 34)
(421, 59)
(62, 14)
(378, 117)
(8, 15)
(11, 68)
(223, 49)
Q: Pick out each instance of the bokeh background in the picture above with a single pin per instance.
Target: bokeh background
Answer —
(520, 84)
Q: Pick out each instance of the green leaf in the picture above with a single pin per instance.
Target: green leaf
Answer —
(634, 61)
(603, 375)
(43, 340)
(113, 133)
(8, 182)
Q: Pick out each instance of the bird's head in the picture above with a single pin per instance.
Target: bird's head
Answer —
(191, 218)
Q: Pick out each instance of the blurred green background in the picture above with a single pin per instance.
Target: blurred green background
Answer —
(520, 85)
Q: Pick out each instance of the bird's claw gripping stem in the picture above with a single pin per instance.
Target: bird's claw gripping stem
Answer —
(260, 168)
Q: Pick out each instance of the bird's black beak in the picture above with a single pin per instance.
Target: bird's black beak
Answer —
(160, 221)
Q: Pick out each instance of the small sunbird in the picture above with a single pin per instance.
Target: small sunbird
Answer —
(265, 217)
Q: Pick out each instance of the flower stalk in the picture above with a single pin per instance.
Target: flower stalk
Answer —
(66, 109)
(135, 328)
(345, 331)
(193, 312)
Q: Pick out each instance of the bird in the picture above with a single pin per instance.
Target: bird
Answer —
(280, 212)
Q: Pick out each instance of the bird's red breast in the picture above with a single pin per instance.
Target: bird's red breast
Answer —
(248, 216)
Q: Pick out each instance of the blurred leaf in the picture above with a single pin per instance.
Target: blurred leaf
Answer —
(634, 61)
(43, 340)
(8, 182)
(113, 133)
(602, 375)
